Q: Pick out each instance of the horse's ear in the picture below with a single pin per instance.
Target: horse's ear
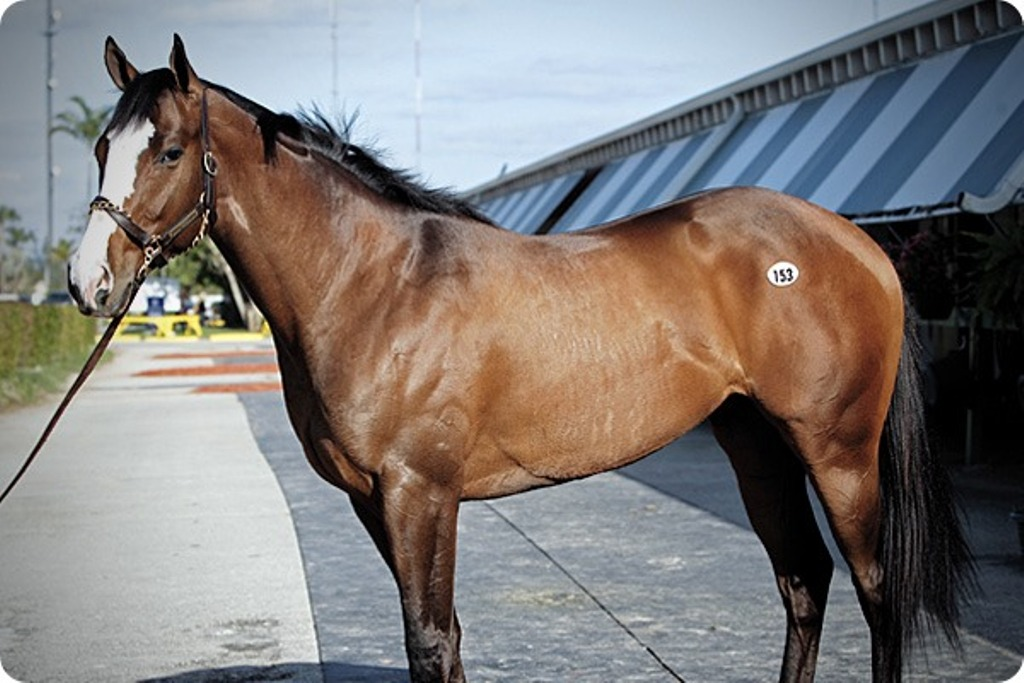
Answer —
(183, 73)
(120, 69)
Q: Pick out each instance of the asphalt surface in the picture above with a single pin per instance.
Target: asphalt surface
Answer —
(177, 536)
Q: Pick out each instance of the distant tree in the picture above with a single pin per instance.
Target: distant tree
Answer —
(13, 240)
(7, 215)
(60, 253)
(204, 269)
(84, 124)
(17, 236)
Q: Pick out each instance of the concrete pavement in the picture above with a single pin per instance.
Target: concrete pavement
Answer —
(694, 470)
(152, 542)
(149, 537)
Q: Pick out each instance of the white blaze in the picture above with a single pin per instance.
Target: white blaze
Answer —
(89, 263)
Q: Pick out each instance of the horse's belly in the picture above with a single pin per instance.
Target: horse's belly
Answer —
(496, 475)
(594, 426)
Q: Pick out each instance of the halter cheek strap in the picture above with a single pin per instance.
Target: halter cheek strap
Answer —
(155, 246)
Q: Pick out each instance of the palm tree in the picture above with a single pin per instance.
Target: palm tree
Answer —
(13, 239)
(86, 125)
(7, 214)
(60, 253)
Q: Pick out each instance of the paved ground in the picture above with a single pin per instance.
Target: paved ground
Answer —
(696, 471)
(149, 538)
(154, 540)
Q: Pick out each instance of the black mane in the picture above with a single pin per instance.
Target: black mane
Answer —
(399, 186)
(310, 131)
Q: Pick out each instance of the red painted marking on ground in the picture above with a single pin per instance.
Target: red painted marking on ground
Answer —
(204, 370)
(239, 388)
(216, 354)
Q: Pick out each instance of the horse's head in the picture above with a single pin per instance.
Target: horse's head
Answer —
(156, 182)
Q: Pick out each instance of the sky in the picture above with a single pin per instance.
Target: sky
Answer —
(503, 83)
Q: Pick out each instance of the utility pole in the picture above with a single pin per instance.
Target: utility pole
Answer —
(52, 16)
(417, 33)
(334, 58)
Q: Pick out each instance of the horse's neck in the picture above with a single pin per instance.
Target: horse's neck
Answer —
(299, 240)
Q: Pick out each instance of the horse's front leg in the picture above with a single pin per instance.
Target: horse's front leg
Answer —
(413, 521)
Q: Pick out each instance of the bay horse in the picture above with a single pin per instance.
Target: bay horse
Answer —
(430, 357)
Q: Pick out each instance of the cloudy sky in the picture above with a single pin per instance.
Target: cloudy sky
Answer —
(503, 82)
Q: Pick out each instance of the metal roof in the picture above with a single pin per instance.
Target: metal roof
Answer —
(926, 119)
(525, 210)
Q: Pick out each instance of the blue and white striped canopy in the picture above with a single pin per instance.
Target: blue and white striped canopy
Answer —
(904, 141)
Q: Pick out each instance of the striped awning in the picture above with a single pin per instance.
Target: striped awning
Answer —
(913, 140)
(526, 210)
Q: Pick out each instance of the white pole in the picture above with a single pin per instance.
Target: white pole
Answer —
(334, 57)
(51, 82)
(417, 34)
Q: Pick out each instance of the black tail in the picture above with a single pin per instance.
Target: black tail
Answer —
(928, 569)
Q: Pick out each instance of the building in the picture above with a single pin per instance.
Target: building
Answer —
(913, 128)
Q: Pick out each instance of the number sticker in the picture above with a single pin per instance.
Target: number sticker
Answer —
(783, 274)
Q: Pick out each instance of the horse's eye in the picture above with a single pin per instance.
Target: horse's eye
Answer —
(171, 155)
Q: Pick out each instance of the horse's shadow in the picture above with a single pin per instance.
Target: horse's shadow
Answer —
(296, 672)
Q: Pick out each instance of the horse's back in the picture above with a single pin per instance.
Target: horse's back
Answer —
(751, 226)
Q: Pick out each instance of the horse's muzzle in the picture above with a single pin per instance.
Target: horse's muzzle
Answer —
(96, 297)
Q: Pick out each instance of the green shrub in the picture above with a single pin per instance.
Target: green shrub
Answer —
(39, 346)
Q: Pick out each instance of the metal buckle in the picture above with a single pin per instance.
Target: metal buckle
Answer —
(149, 255)
(203, 228)
(209, 164)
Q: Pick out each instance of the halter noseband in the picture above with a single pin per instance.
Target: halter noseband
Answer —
(154, 244)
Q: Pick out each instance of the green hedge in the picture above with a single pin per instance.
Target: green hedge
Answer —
(39, 345)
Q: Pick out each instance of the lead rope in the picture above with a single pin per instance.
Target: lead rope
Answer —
(205, 210)
(101, 347)
(90, 365)
(93, 361)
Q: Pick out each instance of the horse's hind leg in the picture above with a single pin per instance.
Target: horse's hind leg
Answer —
(846, 477)
(772, 482)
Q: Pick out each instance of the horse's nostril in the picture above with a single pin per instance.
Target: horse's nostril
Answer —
(103, 289)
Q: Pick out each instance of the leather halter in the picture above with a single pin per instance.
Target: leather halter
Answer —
(155, 244)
